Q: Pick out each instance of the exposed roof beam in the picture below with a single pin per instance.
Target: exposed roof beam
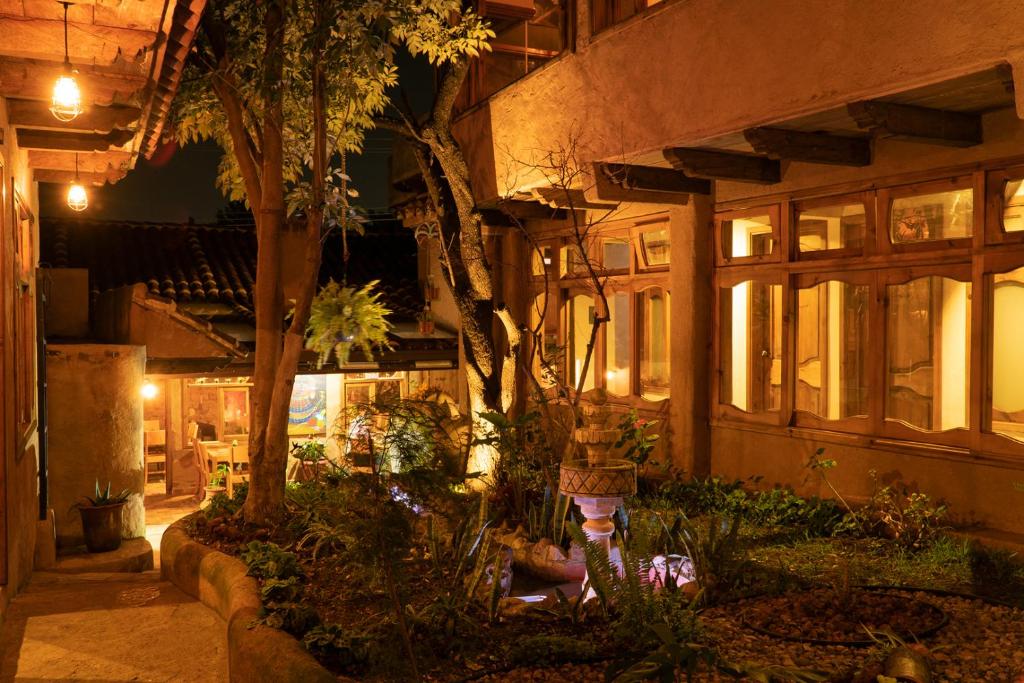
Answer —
(719, 165)
(815, 148)
(628, 182)
(920, 124)
(568, 198)
(75, 142)
(46, 175)
(88, 162)
(524, 211)
(32, 79)
(39, 38)
(95, 119)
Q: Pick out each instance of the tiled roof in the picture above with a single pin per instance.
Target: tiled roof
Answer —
(208, 263)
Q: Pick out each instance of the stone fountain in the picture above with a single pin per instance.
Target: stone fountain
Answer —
(597, 483)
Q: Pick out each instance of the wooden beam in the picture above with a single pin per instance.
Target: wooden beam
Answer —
(653, 179)
(95, 119)
(920, 124)
(814, 148)
(88, 43)
(88, 162)
(718, 165)
(46, 175)
(75, 142)
(525, 211)
(568, 198)
(33, 79)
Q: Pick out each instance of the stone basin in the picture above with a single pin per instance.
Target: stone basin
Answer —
(611, 479)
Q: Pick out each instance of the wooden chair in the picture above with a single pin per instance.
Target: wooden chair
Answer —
(239, 466)
(154, 445)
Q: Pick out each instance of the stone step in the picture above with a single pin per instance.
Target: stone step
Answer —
(134, 555)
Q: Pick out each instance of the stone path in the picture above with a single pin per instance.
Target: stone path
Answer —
(113, 627)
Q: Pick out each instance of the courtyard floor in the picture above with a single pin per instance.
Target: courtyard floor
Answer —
(113, 627)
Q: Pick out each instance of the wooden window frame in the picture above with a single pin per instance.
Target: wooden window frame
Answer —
(780, 246)
(992, 264)
(641, 262)
(637, 291)
(865, 199)
(995, 182)
(24, 319)
(886, 196)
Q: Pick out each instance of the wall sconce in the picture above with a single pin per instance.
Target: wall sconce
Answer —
(66, 103)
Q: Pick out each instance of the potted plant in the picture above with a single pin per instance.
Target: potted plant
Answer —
(311, 455)
(101, 519)
(215, 484)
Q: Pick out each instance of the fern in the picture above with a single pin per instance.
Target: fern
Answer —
(601, 573)
(342, 318)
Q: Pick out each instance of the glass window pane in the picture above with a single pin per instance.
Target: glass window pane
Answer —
(548, 363)
(747, 237)
(832, 227)
(927, 369)
(1013, 206)
(541, 259)
(750, 341)
(617, 346)
(831, 350)
(656, 247)
(581, 319)
(616, 254)
(571, 261)
(936, 216)
(1007, 359)
(653, 328)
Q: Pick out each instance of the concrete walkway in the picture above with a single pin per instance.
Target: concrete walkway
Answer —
(112, 627)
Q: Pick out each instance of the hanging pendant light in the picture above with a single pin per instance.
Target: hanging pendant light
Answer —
(66, 102)
(78, 199)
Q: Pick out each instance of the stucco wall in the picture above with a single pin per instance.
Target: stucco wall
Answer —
(95, 430)
(719, 66)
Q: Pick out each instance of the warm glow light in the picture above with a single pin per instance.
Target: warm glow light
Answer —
(66, 103)
(149, 390)
(609, 375)
(78, 200)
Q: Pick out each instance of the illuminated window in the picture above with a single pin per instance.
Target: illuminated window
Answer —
(655, 245)
(1007, 359)
(753, 236)
(1013, 206)
(605, 13)
(750, 344)
(936, 216)
(547, 360)
(928, 360)
(653, 330)
(581, 320)
(831, 350)
(617, 347)
(832, 227)
(571, 262)
(541, 259)
(616, 254)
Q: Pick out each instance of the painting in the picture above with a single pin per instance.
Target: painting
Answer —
(389, 391)
(307, 412)
(357, 393)
(235, 411)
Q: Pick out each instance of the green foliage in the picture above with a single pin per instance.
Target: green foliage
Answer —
(343, 318)
(524, 464)
(893, 512)
(550, 650)
(548, 519)
(636, 437)
(716, 551)
(270, 561)
(103, 497)
(218, 477)
(344, 650)
(670, 659)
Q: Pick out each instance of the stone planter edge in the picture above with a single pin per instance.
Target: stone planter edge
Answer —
(259, 654)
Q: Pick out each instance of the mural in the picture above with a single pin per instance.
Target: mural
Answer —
(307, 413)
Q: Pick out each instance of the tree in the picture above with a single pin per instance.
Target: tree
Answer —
(288, 89)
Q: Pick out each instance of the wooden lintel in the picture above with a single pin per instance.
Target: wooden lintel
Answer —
(920, 124)
(654, 179)
(523, 210)
(88, 162)
(568, 198)
(815, 148)
(46, 175)
(718, 165)
(29, 138)
(95, 119)
(32, 79)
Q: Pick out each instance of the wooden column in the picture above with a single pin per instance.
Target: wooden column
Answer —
(690, 282)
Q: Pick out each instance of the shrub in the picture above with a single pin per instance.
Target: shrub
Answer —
(270, 561)
(344, 650)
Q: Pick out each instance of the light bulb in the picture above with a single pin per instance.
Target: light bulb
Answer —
(66, 103)
(78, 200)
(149, 390)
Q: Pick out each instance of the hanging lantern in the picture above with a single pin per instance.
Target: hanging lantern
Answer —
(78, 198)
(66, 103)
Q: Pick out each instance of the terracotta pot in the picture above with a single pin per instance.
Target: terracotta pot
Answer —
(102, 527)
(905, 664)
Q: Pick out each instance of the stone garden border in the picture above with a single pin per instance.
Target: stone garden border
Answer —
(260, 654)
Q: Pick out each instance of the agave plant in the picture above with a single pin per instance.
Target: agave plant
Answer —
(342, 318)
(102, 498)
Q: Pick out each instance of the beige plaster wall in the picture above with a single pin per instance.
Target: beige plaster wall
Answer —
(95, 430)
(67, 302)
(719, 66)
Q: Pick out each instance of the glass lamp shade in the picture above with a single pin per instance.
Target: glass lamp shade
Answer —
(78, 200)
(66, 102)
